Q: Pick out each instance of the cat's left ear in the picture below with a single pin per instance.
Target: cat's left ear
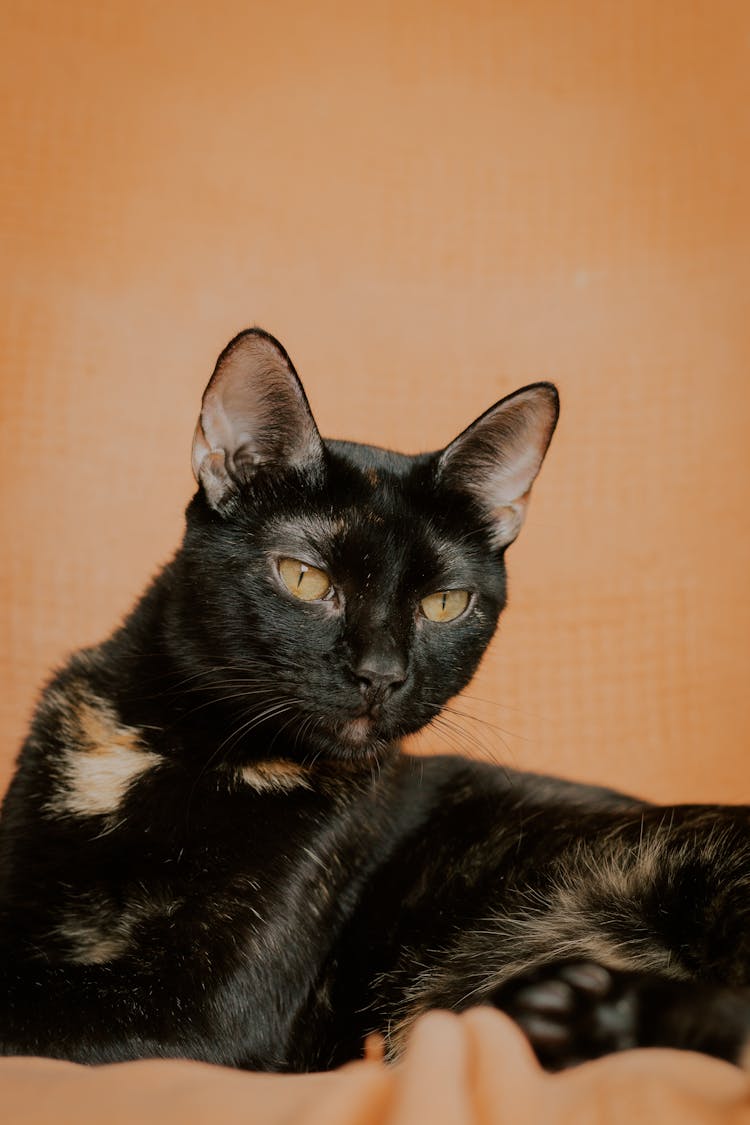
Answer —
(496, 460)
(254, 412)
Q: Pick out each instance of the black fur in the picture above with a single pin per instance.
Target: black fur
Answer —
(214, 848)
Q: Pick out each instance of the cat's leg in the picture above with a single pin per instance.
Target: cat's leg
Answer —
(574, 1011)
(167, 998)
(105, 1012)
(658, 898)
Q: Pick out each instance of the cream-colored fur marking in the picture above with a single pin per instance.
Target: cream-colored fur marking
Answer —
(90, 946)
(275, 777)
(102, 759)
(97, 783)
(98, 932)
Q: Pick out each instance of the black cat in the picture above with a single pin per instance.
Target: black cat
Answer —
(214, 848)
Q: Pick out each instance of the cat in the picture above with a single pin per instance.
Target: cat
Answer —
(214, 848)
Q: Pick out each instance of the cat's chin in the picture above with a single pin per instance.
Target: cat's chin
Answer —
(358, 738)
(357, 731)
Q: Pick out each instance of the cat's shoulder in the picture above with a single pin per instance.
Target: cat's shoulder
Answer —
(81, 755)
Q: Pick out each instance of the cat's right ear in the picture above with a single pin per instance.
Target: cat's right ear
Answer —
(495, 461)
(254, 413)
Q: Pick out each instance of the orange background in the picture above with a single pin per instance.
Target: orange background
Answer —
(430, 204)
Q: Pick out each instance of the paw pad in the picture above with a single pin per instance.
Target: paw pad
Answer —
(572, 1012)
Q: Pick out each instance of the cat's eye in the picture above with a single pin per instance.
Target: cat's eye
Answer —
(445, 605)
(305, 582)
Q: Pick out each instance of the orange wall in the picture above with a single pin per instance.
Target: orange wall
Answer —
(430, 204)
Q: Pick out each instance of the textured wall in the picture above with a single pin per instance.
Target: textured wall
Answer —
(430, 204)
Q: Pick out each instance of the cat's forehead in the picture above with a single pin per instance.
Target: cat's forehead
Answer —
(390, 547)
(381, 512)
(372, 504)
(380, 492)
(372, 460)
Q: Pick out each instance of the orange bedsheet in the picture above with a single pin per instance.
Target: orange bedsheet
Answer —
(474, 1069)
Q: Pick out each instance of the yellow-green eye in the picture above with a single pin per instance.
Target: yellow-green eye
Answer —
(305, 582)
(444, 605)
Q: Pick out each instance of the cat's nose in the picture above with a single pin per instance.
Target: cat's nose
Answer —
(380, 676)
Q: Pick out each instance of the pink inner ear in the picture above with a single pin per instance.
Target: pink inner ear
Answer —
(497, 459)
(511, 480)
(254, 411)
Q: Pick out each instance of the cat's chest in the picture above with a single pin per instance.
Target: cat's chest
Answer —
(241, 866)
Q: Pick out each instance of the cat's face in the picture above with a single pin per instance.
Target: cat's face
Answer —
(344, 591)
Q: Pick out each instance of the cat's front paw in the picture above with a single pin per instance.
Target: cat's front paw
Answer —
(572, 1011)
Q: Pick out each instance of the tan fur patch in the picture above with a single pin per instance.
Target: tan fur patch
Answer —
(90, 946)
(101, 760)
(275, 777)
(96, 932)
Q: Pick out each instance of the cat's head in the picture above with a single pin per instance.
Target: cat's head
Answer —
(344, 592)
